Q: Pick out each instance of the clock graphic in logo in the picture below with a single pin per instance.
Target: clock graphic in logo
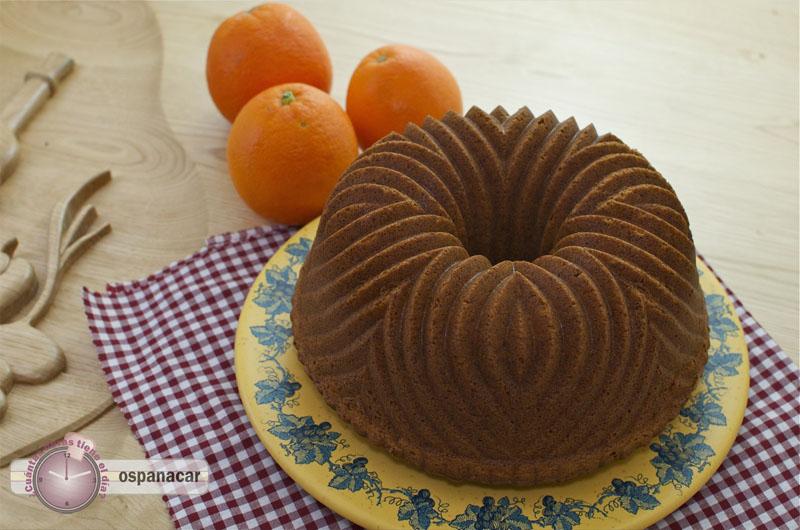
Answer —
(64, 483)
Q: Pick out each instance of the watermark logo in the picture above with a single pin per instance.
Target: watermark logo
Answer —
(68, 475)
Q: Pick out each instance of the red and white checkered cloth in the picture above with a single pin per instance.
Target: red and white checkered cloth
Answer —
(166, 346)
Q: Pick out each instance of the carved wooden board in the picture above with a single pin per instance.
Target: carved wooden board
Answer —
(40, 85)
(27, 355)
(106, 115)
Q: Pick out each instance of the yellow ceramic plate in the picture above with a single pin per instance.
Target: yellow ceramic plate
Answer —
(365, 485)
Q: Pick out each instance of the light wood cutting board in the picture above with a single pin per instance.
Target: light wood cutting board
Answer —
(107, 115)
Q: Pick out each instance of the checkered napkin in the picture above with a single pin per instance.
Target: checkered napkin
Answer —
(166, 346)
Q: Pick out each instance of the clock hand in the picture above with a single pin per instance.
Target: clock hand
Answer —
(66, 466)
(56, 474)
(81, 474)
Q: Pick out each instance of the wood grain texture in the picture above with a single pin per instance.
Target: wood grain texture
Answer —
(40, 85)
(708, 91)
(27, 355)
(106, 116)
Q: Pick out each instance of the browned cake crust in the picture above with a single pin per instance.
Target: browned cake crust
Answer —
(502, 299)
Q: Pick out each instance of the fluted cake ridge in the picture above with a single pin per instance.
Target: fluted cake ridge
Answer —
(502, 299)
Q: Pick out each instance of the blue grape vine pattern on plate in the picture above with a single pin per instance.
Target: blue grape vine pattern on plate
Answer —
(677, 456)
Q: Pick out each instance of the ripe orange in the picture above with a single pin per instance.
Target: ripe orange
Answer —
(395, 85)
(269, 45)
(286, 150)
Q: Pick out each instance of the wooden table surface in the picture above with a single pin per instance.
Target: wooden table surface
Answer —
(708, 91)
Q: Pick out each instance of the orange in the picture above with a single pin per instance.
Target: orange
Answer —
(395, 85)
(269, 45)
(286, 150)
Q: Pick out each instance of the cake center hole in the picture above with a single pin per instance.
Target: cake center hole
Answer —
(504, 239)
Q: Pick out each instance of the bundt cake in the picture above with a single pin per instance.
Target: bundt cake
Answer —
(506, 300)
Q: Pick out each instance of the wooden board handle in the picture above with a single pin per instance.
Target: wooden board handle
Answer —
(53, 70)
(39, 85)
